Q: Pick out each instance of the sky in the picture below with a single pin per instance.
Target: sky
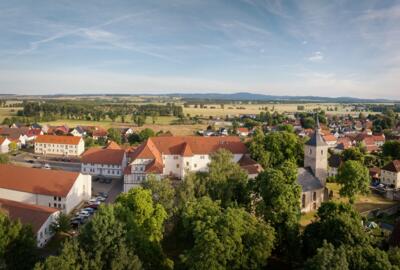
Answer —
(320, 48)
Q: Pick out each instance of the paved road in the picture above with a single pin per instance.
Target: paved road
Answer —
(27, 160)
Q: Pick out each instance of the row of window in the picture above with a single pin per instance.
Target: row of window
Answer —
(56, 145)
(106, 165)
(92, 170)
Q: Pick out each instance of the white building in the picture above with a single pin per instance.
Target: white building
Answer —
(57, 189)
(390, 174)
(39, 217)
(175, 155)
(59, 145)
(4, 145)
(104, 162)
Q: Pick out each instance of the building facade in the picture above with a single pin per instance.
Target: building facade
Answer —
(39, 217)
(56, 189)
(390, 174)
(174, 156)
(104, 162)
(312, 178)
(59, 145)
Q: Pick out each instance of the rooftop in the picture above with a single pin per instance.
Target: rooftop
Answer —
(307, 180)
(37, 181)
(103, 156)
(27, 213)
(73, 140)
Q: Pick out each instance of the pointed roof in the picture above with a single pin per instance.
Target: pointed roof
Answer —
(316, 139)
(187, 151)
(113, 145)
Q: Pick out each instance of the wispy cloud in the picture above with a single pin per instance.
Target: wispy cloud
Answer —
(316, 57)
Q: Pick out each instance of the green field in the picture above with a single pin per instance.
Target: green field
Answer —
(8, 112)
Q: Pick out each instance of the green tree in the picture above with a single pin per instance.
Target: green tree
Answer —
(162, 191)
(144, 220)
(279, 203)
(146, 133)
(13, 147)
(61, 224)
(226, 181)
(17, 241)
(104, 241)
(257, 148)
(338, 224)
(71, 257)
(353, 153)
(308, 122)
(114, 135)
(354, 179)
(4, 159)
(328, 258)
(391, 149)
(224, 238)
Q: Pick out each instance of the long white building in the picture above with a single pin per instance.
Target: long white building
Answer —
(104, 162)
(39, 217)
(174, 156)
(59, 145)
(57, 189)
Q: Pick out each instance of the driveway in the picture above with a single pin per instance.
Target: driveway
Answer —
(113, 189)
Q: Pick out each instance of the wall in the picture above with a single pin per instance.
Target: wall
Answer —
(44, 234)
(390, 178)
(80, 191)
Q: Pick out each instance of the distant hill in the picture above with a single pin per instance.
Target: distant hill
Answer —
(261, 97)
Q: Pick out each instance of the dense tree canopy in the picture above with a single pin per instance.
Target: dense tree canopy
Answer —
(225, 238)
(354, 179)
(391, 149)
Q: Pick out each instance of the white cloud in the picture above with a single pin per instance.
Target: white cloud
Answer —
(316, 57)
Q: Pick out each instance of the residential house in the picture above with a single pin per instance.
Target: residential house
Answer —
(57, 130)
(4, 145)
(59, 145)
(39, 217)
(99, 133)
(390, 174)
(57, 189)
(330, 139)
(78, 131)
(175, 156)
(243, 131)
(17, 135)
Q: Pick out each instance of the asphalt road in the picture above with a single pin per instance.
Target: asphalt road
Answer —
(25, 159)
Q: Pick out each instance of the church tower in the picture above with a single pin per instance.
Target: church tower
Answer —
(316, 155)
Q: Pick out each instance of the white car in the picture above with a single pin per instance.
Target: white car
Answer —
(100, 199)
(46, 166)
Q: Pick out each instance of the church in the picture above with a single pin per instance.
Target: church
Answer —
(312, 177)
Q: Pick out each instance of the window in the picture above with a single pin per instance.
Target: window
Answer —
(314, 196)
(59, 199)
(195, 165)
(303, 201)
(55, 198)
(55, 205)
(310, 151)
(202, 157)
(175, 157)
(322, 152)
(314, 206)
(177, 166)
(187, 163)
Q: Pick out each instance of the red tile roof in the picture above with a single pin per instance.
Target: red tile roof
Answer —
(103, 156)
(37, 181)
(242, 129)
(27, 213)
(113, 145)
(393, 166)
(154, 147)
(2, 139)
(73, 140)
(330, 138)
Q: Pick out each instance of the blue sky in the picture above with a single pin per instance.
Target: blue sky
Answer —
(326, 48)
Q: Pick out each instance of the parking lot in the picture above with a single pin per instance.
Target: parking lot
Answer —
(104, 190)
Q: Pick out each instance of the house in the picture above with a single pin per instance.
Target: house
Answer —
(78, 131)
(126, 131)
(32, 134)
(312, 177)
(176, 155)
(57, 189)
(330, 139)
(4, 145)
(243, 131)
(334, 162)
(17, 135)
(99, 133)
(59, 145)
(39, 217)
(107, 162)
(57, 130)
(343, 143)
(390, 174)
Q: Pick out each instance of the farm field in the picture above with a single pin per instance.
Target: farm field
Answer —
(163, 123)
(8, 112)
(236, 109)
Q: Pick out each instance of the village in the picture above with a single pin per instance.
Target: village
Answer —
(51, 170)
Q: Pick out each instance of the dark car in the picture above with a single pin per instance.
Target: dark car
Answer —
(108, 181)
(93, 206)
(31, 161)
(103, 194)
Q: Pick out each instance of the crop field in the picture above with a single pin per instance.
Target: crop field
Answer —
(237, 109)
(8, 112)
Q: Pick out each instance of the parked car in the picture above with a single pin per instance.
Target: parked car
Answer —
(46, 166)
(89, 210)
(100, 199)
(93, 206)
(103, 194)
(108, 181)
